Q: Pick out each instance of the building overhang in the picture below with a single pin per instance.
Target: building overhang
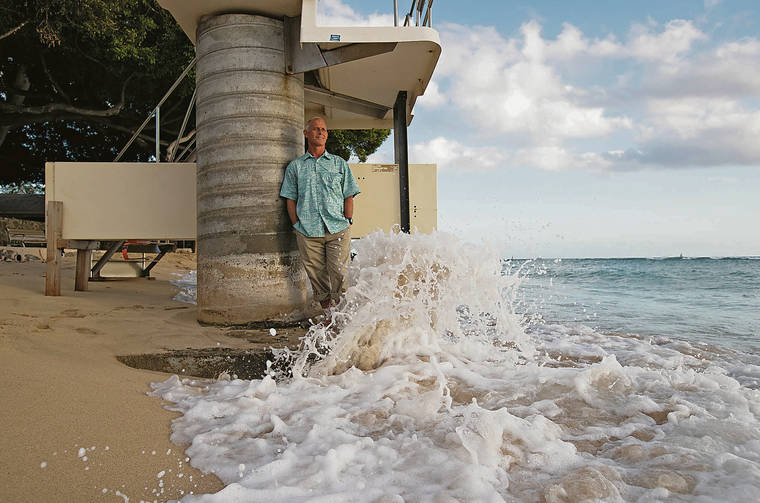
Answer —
(354, 73)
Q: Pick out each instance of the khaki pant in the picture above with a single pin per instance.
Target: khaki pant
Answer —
(325, 260)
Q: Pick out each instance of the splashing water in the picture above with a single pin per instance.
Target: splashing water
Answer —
(426, 387)
(187, 283)
(413, 298)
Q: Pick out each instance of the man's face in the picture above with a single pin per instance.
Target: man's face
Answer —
(316, 133)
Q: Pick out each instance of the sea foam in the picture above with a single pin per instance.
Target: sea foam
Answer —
(426, 386)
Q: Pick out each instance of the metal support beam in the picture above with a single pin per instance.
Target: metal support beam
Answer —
(163, 250)
(303, 57)
(352, 52)
(116, 246)
(330, 99)
(300, 57)
(401, 155)
(80, 244)
(158, 134)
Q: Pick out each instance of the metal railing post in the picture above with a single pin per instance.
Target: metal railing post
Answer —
(395, 12)
(147, 119)
(410, 17)
(158, 134)
(428, 20)
(172, 149)
(187, 147)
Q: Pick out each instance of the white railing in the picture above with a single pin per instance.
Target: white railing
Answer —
(420, 14)
(156, 113)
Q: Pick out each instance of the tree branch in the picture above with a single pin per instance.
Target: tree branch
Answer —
(11, 120)
(14, 115)
(124, 90)
(13, 30)
(56, 87)
(27, 94)
(20, 82)
(53, 108)
(87, 55)
(142, 138)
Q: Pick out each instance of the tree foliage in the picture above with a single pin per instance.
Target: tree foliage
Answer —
(77, 77)
(362, 143)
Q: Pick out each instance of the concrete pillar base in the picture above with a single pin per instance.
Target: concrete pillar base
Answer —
(253, 292)
(249, 126)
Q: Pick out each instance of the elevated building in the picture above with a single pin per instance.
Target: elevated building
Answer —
(263, 67)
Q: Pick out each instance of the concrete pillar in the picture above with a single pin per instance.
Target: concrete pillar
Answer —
(249, 126)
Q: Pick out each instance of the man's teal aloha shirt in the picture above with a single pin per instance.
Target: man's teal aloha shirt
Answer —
(319, 186)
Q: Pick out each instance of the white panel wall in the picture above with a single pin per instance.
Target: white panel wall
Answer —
(107, 200)
(103, 201)
(378, 207)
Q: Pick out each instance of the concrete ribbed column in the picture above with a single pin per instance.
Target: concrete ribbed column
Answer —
(249, 126)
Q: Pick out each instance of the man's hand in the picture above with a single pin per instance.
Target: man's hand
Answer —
(291, 205)
(348, 209)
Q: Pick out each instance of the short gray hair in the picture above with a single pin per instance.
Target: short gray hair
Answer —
(308, 122)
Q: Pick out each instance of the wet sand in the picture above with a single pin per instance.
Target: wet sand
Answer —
(63, 389)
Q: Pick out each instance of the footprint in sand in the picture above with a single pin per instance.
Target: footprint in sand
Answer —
(70, 313)
(136, 306)
(85, 330)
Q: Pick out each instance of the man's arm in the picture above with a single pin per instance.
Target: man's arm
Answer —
(289, 191)
(291, 204)
(350, 189)
(348, 207)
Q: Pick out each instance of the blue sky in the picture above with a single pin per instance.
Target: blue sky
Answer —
(591, 129)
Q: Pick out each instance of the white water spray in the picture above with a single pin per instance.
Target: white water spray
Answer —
(426, 388)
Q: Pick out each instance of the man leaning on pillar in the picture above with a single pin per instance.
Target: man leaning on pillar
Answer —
(319, 191)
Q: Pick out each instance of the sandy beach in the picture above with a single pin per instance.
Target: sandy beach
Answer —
(77, 424)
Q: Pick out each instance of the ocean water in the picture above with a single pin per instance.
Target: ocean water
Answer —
(449, 374)
(713, 300)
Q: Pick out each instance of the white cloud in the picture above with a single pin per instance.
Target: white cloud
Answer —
(432, 97)
(666, 46)
(723, 179)
(571, 42)
(674, 102)
(451, 154)
(689, 132)
(670, 98)
(645, 42)
(731, 69)
(336, 13)
(557, 158)
(507, 86)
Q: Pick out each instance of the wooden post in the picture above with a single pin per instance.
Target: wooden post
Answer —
(53, 226)
(83, 270)
(401, 154)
